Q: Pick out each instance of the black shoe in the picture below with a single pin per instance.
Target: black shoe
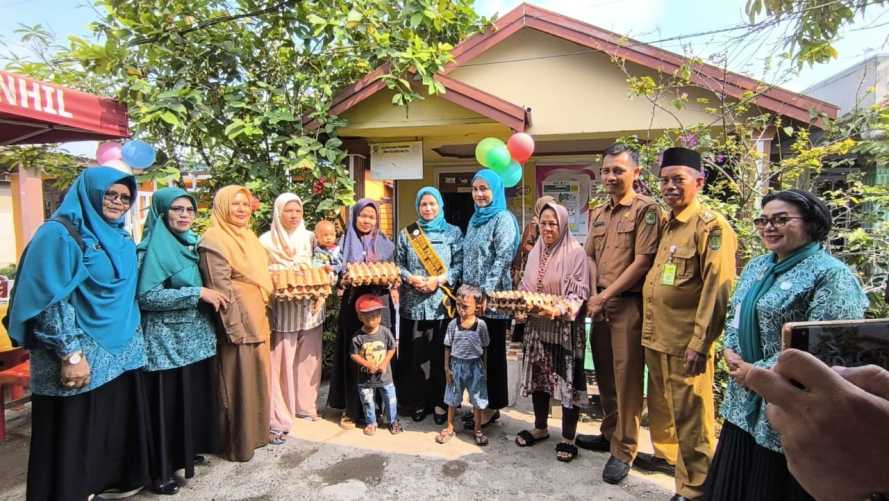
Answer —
(652, 463)
(593, 443)
(677, 497)
(440, 419)
(615, 470)
(419, 415)
(199, 460)
(167, 488)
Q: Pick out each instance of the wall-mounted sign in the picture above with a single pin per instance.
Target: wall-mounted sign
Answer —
(570, 186)
(396, 160)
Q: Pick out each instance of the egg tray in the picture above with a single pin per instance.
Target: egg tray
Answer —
(523, 301)
(385, 274)
(299, 285)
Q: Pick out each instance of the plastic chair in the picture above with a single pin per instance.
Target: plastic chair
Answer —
(15, 374)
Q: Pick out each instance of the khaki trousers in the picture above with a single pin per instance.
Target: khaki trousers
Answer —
(681, 411)
(620, 359)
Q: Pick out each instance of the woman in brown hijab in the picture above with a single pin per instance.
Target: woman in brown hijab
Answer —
(234, 263)
(554, 337)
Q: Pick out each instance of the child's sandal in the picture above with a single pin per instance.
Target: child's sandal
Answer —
(480, 439)
(566, 452)
(370, 429)
(395, 428)
(444, 436)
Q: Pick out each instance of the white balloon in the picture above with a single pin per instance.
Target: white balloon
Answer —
(119, 165)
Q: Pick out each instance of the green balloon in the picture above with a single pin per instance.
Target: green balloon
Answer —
(498, 159)
(484, 146)
(512, 174)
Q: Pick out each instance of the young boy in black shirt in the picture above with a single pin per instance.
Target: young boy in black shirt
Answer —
(372, 349)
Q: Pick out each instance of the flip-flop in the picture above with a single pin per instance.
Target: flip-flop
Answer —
(444, 436)
(529, 438)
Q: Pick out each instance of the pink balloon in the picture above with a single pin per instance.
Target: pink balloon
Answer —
(521, 147)
(107, 152)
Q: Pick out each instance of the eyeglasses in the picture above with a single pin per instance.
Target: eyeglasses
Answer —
(777, 222)
(183, 210)
(548, 225)
(115, 197)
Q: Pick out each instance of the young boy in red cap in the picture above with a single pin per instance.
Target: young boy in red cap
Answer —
(372, 349)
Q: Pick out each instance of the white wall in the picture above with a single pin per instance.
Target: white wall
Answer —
(850, 88)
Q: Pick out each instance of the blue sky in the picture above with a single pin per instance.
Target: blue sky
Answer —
(644, 20)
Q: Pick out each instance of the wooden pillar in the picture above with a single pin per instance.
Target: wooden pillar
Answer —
(27, 206)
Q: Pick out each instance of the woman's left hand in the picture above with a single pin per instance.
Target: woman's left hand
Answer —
(738, 368)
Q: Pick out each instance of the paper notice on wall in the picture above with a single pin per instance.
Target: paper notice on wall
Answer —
(396, 160)
(568, 194)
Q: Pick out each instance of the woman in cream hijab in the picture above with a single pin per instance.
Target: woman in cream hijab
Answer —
(233, 262)
(296, 325)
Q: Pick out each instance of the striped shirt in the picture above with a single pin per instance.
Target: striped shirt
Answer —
(294, 316)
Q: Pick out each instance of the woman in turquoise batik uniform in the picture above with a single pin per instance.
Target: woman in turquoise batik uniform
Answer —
(420, 378)
(797, 281)
(492, 239)
(74, 307)
(180, 339)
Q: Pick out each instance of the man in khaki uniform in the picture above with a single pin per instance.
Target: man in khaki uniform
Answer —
(622, 243)
(684, 301)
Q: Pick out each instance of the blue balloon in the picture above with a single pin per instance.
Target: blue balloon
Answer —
(512, 174)
(138, 154)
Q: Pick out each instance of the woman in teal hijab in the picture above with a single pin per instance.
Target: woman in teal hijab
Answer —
(74, 307)
(798, 280)
(420, 375)
(491, 242)
(180, 339)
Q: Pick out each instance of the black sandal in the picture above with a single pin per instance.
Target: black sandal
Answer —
(529, 438)
(469, 424)
(570, 449)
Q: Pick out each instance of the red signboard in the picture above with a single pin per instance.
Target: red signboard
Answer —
(32, 111)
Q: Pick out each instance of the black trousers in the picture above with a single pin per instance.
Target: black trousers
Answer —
(91, 442)
(742, 470)
(420, 379)
(495, 362)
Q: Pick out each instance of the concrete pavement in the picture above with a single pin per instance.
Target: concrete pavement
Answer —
(320, 461)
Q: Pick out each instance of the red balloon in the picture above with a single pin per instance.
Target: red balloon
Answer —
(521, 147)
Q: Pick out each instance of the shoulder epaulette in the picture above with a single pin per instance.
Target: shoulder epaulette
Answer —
(707, 216)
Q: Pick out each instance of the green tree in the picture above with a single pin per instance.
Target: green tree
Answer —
(814, 25)
(223, 86)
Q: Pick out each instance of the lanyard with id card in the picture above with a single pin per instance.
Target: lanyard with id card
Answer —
(668, 275)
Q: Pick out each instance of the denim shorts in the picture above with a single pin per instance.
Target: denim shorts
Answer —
(468, 374)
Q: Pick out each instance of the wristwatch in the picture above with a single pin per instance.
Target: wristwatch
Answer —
(74, 358)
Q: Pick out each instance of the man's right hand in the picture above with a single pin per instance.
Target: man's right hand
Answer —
(833, 428)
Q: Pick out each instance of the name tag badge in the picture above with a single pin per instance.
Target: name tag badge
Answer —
(736, 321)
(668, 277)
